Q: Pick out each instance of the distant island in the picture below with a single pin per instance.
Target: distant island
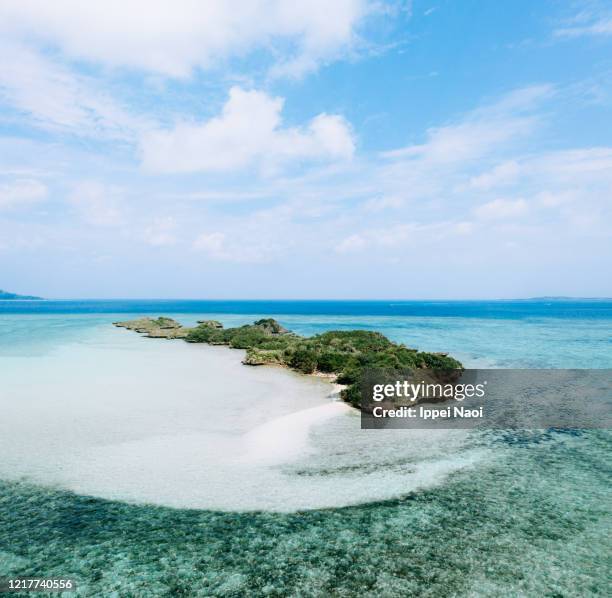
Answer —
(344, 355)
(565, 299)
(6, 295)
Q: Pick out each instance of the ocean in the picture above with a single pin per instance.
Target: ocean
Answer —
(146, 467)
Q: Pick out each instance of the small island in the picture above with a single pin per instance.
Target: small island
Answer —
(343, 355)
(5, 295)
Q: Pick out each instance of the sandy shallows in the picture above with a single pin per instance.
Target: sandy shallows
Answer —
(166, 422)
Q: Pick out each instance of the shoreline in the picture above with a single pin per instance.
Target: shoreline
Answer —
(331, 378)
(172, 334)
(339, 356)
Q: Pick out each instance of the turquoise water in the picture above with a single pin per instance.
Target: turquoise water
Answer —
(530, 519)
(542, 334)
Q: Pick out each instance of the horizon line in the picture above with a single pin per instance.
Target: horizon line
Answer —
(319, 299)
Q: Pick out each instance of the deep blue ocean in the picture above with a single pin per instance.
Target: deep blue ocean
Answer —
(500, 309)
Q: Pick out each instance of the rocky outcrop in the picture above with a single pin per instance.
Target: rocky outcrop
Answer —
(210, 323)
(271, 326)
(155, 328)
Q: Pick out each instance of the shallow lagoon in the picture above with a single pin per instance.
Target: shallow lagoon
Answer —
(120, 416)
(512, 514)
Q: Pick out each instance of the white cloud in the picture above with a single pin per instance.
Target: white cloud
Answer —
(386, 202)
(550, 199)
(464, 141)
(408, 234)
(59, 99)
(172, 37)
(161, 232)
(352, 243)
(247, 132)
(21, 192)
(98, 204)
(502, 174)
(217, 246)
(587, 23)
(581, 166)
(480, 132)
(502, 209)
(464, 228)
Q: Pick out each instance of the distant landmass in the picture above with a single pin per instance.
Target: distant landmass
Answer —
(562, 298)
(7, 295)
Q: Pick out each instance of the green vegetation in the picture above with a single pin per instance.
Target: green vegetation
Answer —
(344, 353)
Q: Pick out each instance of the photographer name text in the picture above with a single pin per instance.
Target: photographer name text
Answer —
(429, 413)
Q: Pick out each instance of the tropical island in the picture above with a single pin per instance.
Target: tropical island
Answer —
(341, 354)
(6, 295)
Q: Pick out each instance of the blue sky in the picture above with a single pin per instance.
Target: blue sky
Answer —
(266, 148)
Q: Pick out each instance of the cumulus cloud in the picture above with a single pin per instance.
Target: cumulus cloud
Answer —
(172, 37)
(21, 192)
(248, 131)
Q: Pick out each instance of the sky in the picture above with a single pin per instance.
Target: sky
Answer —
(278, 149)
